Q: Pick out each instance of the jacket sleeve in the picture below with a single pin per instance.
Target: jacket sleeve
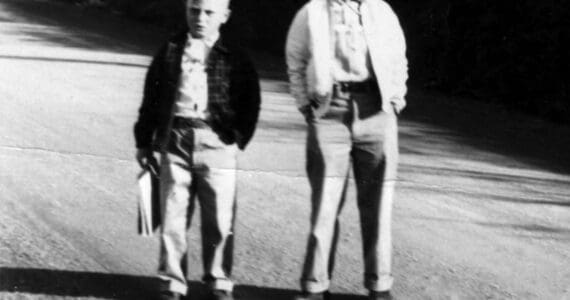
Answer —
(248, 102)
(147, 121)
(399, 67)
(297, 55)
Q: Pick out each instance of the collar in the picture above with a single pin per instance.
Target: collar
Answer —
(221, 46)
(209, 42)
(180, 39)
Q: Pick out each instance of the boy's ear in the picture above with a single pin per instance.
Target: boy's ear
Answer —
(228, 14)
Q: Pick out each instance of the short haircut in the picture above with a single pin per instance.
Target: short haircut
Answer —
(228, 1)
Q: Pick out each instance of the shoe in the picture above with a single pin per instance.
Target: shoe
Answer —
(326, 295)
(383, 295)
(169, 295)
(221, 295)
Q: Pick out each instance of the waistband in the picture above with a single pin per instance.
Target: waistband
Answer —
(343, 87)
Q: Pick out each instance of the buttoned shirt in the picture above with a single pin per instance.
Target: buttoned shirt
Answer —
(351, 57)
(192, 94)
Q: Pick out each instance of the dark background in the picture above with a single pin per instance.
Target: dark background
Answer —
(511, 52)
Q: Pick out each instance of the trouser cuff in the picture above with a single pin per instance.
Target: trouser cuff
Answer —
(383, 283)
(315, 287)
(167, 284)
(221, 284)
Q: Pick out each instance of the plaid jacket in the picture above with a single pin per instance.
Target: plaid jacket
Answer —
(233, 94)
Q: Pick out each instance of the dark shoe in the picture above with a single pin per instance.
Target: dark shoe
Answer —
(384, 295)
(221, 295)
(314, 296)
(168, 295)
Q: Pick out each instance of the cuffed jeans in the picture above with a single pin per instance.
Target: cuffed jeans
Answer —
(353, 131)
(197, 164)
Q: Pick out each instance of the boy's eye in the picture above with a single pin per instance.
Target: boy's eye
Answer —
(197, 11)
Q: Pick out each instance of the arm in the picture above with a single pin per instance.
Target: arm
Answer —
(399, 68)
(248, 102)
(147, 122)
(297, 56)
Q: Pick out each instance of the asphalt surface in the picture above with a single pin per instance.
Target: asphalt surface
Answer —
(482, 209)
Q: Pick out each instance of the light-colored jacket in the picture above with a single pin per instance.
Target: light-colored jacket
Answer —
(309, 52)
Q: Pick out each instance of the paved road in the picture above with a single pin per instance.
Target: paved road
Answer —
(482, 210)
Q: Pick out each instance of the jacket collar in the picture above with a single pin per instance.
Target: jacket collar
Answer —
(221, 46)
(181, 38)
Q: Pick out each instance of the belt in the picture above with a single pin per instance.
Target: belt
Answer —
(181, 122)
(369, 86)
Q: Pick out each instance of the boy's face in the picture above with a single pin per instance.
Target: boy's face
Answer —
(205, 17)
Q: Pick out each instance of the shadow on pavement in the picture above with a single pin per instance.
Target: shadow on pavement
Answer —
(50, 22)
(118, 286)
(484, 126)
(76, 284)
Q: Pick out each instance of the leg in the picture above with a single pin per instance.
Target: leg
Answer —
(375, 161)
(328, 162)
(215, 170)
(175, 183)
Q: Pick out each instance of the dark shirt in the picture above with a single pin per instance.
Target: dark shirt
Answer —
(233, 94)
